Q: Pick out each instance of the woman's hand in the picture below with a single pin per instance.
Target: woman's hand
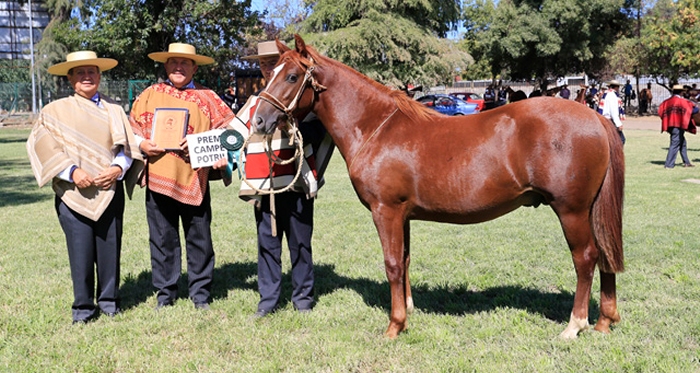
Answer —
(108, 177)
(81, 179)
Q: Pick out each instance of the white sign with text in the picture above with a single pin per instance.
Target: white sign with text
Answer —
(205, 148)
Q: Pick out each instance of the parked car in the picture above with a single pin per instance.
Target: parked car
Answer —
(448, 105)
(472, 97)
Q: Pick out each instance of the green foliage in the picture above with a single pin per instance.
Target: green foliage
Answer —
(669, 38)
(543, 39)
(394, 42)
(15, 71)
(128, 30)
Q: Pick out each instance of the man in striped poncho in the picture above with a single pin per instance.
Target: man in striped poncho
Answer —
(292, 213)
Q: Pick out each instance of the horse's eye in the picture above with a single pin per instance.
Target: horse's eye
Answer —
(292, 78)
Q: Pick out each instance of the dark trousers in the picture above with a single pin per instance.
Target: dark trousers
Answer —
(295, 220)
(164, 214)
(94, 244)
(677, 143)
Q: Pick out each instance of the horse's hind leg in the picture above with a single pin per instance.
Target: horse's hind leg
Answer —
(608, 303)
(584, 253)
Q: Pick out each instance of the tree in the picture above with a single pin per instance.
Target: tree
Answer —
(545, 39)
(669, 39)
(128, 30)
(392, 41)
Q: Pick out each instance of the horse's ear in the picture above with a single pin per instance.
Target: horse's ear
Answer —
(281, 47)
(300, 45)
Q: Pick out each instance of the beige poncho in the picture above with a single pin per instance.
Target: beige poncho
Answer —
(75, 131)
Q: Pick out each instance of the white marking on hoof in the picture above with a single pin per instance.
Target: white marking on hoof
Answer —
(409, 305)
(575, 326)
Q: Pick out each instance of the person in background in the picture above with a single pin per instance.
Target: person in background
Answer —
(676, 118)
(293, 210)
(83, 144)
(610, 107)
(628, 94)
(564, 92)
(174, 191)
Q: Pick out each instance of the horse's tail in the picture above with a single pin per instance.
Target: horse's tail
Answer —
(607, 207)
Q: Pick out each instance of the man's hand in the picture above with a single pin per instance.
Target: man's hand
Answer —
(184, 148)
(108, 177)
(81, 179)
(150, 148)
(220, 164)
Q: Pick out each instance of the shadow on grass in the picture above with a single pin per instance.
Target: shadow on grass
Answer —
(453, 301)
(441, 300)
(137, 289)
(13, 140)
(22, 189)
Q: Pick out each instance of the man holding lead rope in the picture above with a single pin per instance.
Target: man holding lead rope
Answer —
(281, 208)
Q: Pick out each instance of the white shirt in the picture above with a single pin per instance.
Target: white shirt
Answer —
(611, 107)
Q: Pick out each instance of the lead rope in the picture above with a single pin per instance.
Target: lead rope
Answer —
(294, 137)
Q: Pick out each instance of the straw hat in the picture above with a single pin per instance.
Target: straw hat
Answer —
(614, 83)
(181, 50)
(82, 58)
(265, 49)
(678, 87)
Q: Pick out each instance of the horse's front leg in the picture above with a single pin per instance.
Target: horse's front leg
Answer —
(390, 226)
(407, 262)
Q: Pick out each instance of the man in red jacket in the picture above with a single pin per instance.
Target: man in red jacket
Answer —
(676, 118)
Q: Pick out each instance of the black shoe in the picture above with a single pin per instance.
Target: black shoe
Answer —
(259, 314)
(113, 314)
(162, 305)
(688, 165)
(202, 306)
(85, 321)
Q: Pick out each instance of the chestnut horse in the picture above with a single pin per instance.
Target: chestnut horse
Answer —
(407, 162)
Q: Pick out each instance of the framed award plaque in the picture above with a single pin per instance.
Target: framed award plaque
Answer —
(169, 127)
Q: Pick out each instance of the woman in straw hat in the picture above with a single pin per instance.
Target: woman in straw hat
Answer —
(175, 191)
(84, 145)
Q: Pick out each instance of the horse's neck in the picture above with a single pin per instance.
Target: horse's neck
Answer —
(351, 109)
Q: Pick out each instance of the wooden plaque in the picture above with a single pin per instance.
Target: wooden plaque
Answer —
(169, 127)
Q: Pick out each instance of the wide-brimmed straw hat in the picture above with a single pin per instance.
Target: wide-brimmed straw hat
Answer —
(614, 82)
(678, 87)
(265, 49)
(181, 50)
(82, 58)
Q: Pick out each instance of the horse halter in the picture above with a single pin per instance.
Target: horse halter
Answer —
(277, 103)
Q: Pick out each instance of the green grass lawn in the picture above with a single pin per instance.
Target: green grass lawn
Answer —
(491, 297)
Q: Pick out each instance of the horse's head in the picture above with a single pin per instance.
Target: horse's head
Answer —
(286, 94)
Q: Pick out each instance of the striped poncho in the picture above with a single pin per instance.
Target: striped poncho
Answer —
(171, 174)
(75, 131)
(261, 172)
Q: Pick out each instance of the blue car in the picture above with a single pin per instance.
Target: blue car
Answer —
(448, 105)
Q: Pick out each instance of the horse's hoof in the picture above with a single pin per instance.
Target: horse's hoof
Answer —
(569, 333)
(394, 329)
(575, 326)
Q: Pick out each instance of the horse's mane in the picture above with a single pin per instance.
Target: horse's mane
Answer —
(405, 104)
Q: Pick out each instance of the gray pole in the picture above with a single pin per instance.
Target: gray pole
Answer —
(31, 50)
